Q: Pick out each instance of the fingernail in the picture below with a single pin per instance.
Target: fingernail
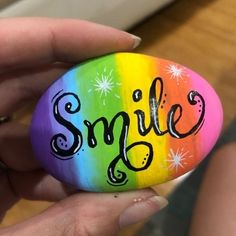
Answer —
(137, 40)
(140, 209)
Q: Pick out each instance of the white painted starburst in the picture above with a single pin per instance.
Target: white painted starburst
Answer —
(177, 159)
(176, 72)
(104, 85)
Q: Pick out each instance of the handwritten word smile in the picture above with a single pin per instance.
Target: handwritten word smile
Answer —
(59, 144)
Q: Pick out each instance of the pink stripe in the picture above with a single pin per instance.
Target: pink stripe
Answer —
(211, 128)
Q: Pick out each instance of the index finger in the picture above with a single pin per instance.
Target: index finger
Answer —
(35, 41)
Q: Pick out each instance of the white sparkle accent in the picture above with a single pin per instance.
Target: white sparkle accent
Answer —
(104, 84)
(176, 72)
(176, 159)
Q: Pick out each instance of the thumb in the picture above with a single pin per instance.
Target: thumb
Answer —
(91, 214)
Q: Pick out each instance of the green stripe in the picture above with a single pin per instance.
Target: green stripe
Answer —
(96, 104)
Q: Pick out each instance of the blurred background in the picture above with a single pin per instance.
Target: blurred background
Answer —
(199, 34)
(122, 14)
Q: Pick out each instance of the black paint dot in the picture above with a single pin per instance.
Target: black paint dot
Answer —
(147, 155)
(199, 110)
(119, 175)
(161, 106)
(165, 94)
(137, 95)
(198, 100)
(200, 105)
(143, 162)
(164, 101)
(82, 150)
(145, 159)
(66, 145)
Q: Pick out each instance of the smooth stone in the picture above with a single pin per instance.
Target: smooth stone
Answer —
(125, 121)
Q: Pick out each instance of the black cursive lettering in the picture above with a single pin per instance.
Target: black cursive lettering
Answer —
(154, 104)
(121, 177)
(71, 105)
(59, 141)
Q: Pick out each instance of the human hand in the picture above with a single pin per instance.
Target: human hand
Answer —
(34, 52)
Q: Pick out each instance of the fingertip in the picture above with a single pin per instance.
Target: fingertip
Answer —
(39, 41)
(136, 41)
(141, 210)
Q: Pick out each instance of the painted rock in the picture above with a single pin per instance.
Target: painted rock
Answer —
(125, 121)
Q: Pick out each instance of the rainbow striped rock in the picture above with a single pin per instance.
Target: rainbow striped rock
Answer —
(125, 121)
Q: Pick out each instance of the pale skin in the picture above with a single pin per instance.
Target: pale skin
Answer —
(34, 52)
(215, 211)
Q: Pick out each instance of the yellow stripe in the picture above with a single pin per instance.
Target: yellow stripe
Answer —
(138, 72)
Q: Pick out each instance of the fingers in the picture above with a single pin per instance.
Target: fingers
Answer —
(25, 85)
(37, 41)
(214, 212)
(38, 185)
(15, 147)
(7, 198)
(92, 214)
(47, 41)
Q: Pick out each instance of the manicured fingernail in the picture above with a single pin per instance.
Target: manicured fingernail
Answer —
(140, 209)
(137, 40)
